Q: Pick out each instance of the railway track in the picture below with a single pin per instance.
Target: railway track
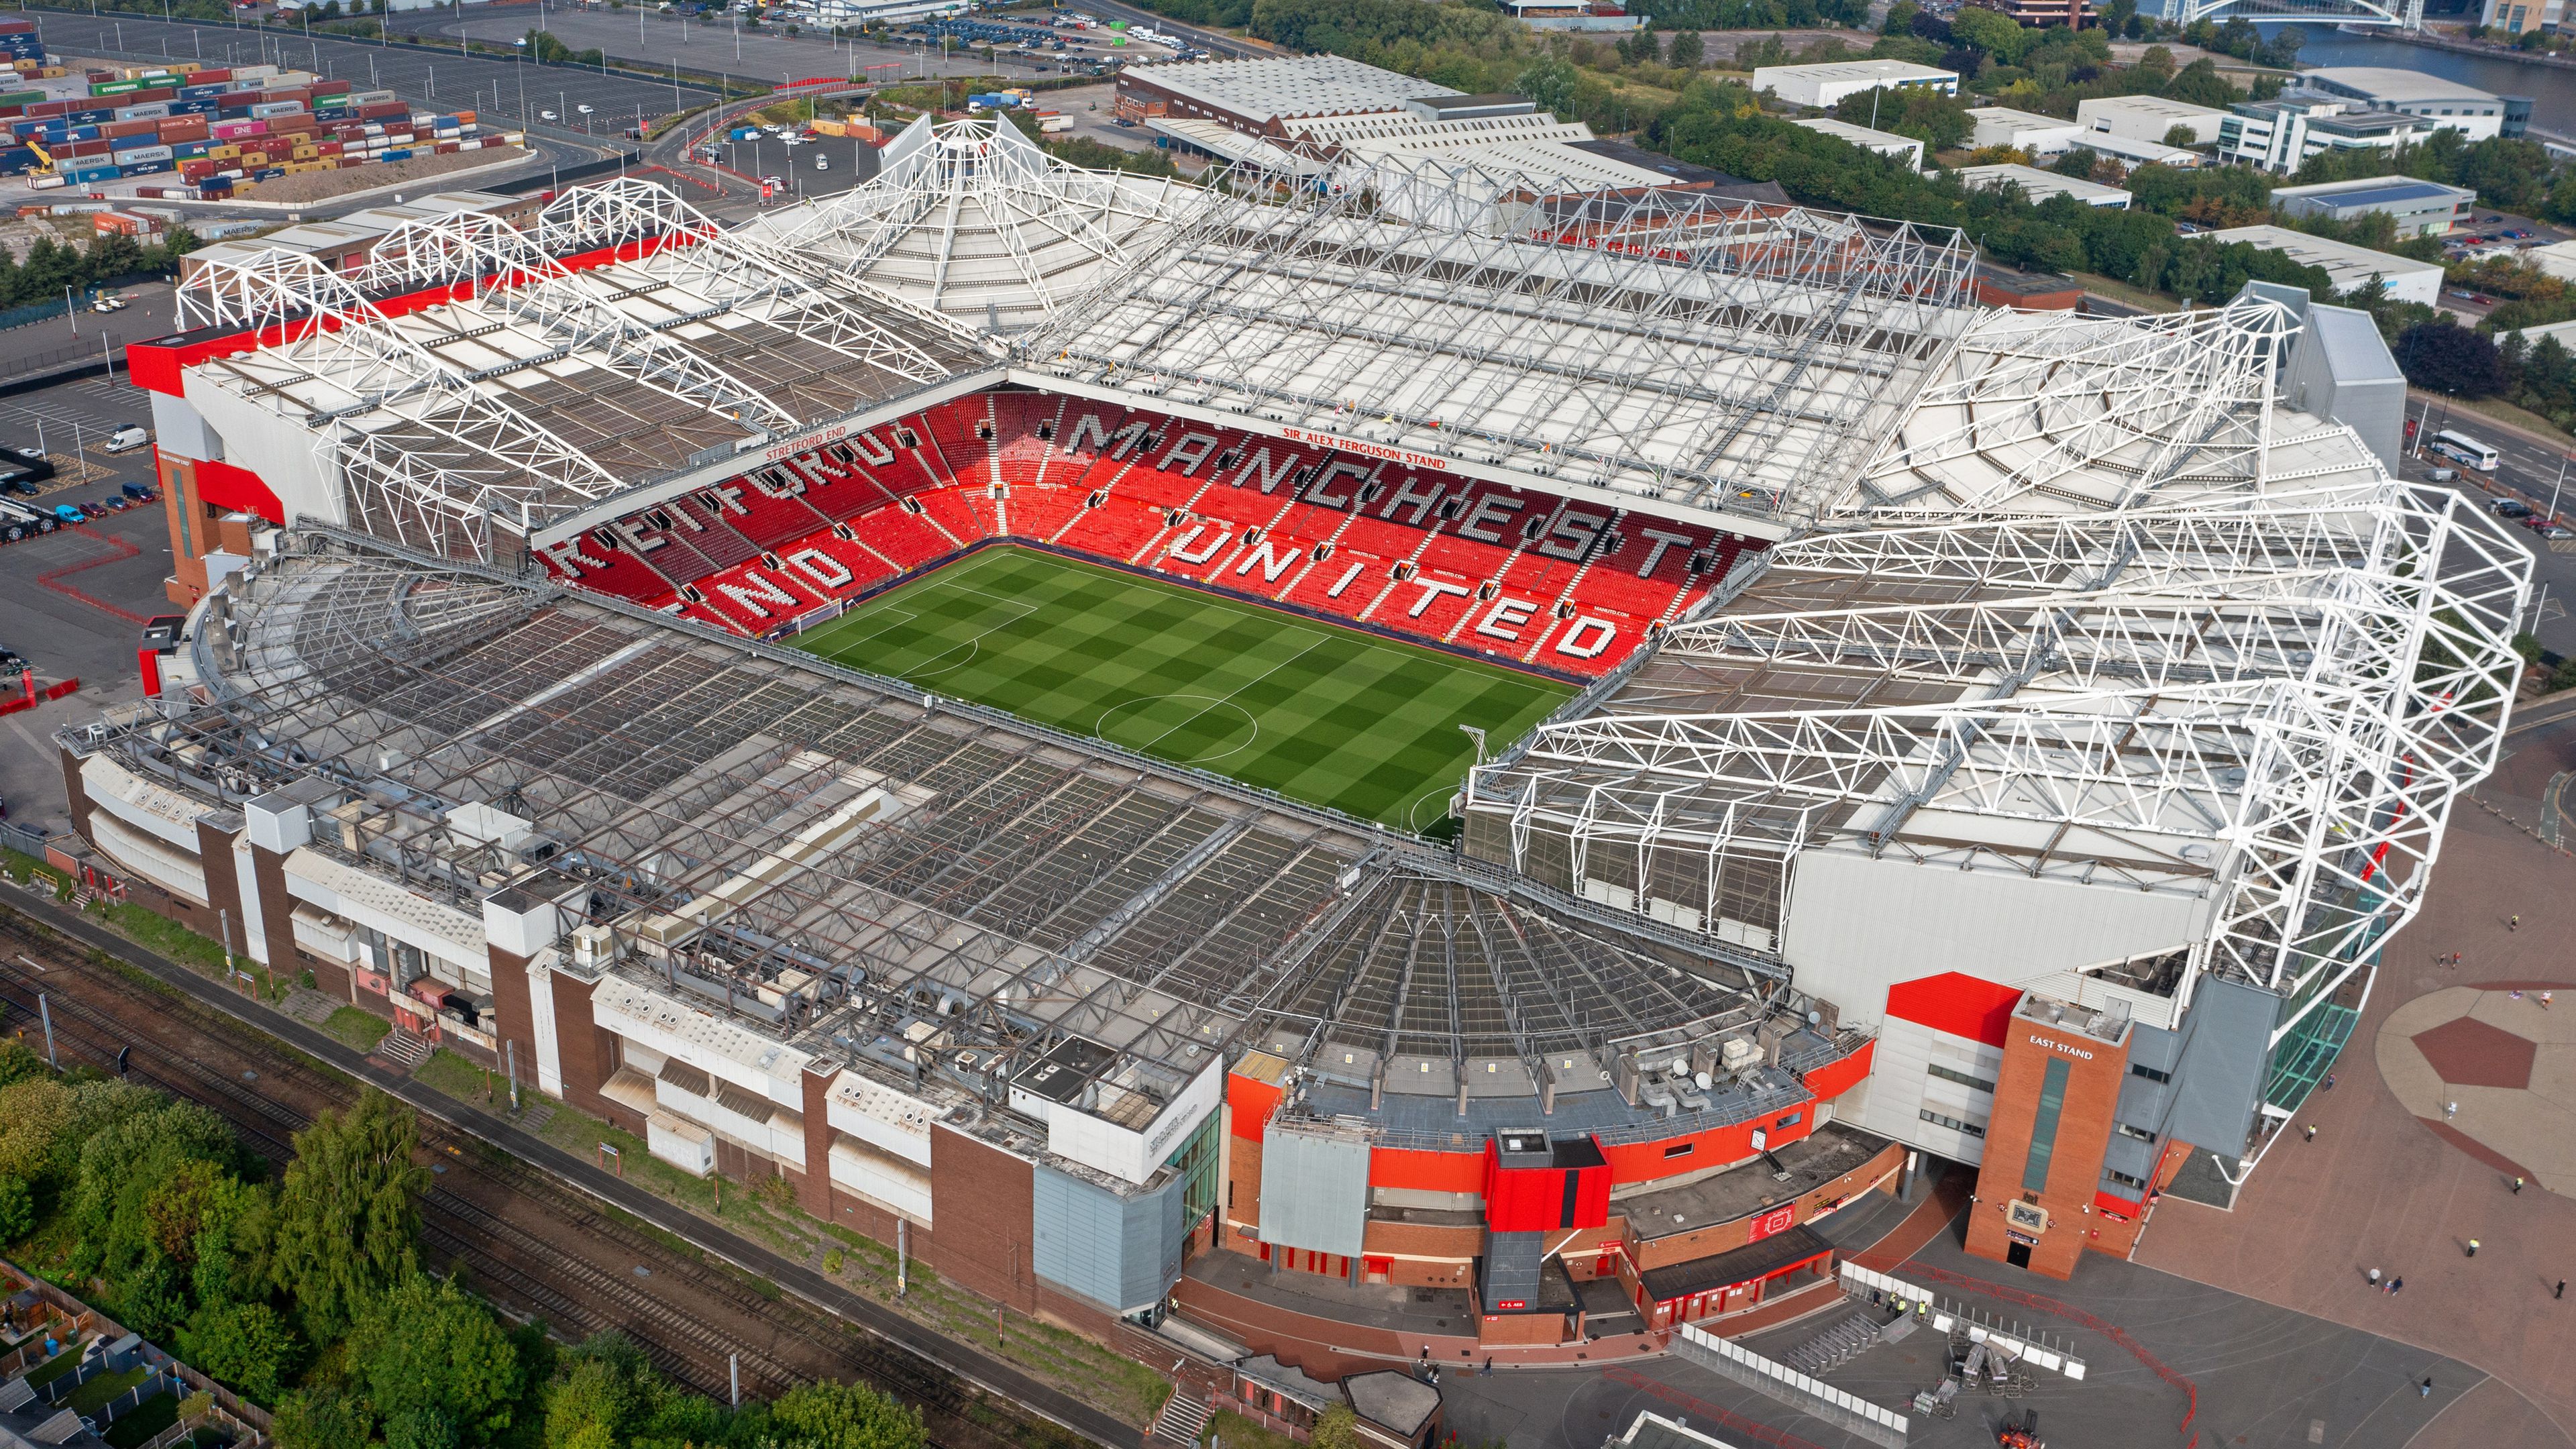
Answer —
(526, 1272)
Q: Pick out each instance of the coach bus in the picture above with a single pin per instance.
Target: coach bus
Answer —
(2462, 449)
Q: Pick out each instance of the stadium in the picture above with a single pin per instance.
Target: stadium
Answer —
(1106, 729)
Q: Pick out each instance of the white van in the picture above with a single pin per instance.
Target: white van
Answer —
(128, 438)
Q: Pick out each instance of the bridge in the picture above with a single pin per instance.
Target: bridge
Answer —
(2404, 14)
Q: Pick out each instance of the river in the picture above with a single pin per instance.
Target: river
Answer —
(2552, 90)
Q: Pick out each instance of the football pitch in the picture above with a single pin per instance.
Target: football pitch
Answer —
(1333, 716)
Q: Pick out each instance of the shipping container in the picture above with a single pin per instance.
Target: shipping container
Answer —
(266, 109)
(142, 153)
(396, 155)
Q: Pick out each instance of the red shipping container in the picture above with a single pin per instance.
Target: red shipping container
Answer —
(381, 110)
(49, 108)
(446, 148)
(329, 88)
(330, 148)
(84, 148)
(17, 27)
(114, 129)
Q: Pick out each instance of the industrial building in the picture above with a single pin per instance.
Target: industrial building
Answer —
(2037, 185)
(2005, 737)
(2349, 266)
(2280, 135)
(1907, 149)
(2420, 208)
(2148, 118)
(2041, 136)
(2451, 105)
(1824, 84)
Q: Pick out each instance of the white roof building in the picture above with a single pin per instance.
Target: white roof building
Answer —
(2003, 126)
(2040, 185)
(2347, 265)
(2476, 113)
(2134, 152)
(1825, 83)
(1886, 143)
(1249, 94)
(2148, 118)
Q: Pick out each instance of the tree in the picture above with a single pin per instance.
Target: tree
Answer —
(1900, 17)
(322, 1419)
(1687, 51)
(2447, 357)
(1997, 35)
(2201, 85)
(348, 1212)
(244, 1344)
(2180, 133)
(435, 1366)
(844, 1416)
(17, 1209)
(1336, 1428)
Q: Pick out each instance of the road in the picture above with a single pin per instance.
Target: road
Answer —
(1215, 42)
(764, 56)
(2526, 469)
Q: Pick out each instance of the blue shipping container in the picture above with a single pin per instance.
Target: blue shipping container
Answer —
(89, 174)
(403, 155)
(134, 143)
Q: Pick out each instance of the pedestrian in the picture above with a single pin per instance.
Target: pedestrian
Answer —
(2517, 1187)
(2544, 999)
(2560, 1291)
(2329, 1081)
(2424, 1390)
(2312, 1132)
(2394, 1284)
(2517, 993)
(2473, 1247)
(2513, 923)
(2374, 1277)
(2450, 1110)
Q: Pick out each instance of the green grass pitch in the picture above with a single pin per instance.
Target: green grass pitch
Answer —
(1329, 715)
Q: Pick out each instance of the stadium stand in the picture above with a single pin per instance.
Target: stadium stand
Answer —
(1514, 574)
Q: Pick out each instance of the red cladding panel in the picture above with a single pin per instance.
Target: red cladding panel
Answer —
(1409, 1167)
(1522, 1199)
(226, 486)
(1249, 1104)
(1835, 1078)
(1591, 1197)
(1961, 1005)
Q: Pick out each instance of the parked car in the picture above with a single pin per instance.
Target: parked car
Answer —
(2509, 507)
(68, 514)
(140, 493)
(128, 438)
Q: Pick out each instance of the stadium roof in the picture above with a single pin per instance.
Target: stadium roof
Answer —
(972, 220)
(469, 376)
(1274, 87)
(1665, 349)
(744, 817)
(2100, 613)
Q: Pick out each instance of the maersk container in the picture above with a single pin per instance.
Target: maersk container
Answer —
(143, 153)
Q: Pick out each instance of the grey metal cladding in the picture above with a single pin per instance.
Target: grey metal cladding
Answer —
(1314, 1190)
(1122, 1252)
(2226, 1050)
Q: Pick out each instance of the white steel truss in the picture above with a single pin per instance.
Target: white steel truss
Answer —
(431, 448)
(971, 219)
(1703, 351)
(2403, 14)
(2277, 704)
(2036, 412)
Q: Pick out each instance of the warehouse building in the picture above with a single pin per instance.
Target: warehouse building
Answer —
(2148, 118)
(2349, 266)
(1824, 84)
(2420, 208)
(2038, 185)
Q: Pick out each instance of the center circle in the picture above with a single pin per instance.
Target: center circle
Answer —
(1147, 724)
